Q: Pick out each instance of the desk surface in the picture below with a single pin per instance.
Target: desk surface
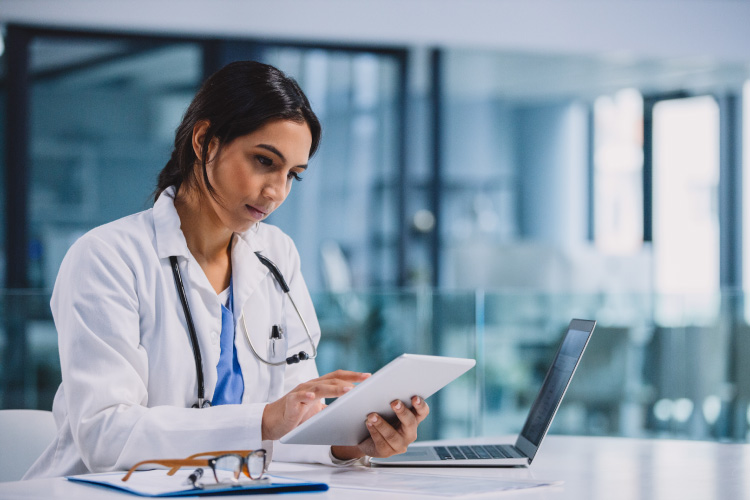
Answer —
(591, 468)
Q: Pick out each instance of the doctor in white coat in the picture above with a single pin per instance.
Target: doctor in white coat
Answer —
(129, 374)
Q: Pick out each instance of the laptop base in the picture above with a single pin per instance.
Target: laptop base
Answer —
(495, 455)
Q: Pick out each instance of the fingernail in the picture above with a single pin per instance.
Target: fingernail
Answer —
(398, 406)
(374, 419)
(347, 389)
(419, 400)
(369, 424)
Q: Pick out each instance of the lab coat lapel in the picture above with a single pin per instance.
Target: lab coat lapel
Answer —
(204, 303)
(248, 276)
(247, 270)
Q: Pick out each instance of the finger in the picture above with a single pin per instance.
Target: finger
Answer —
(310, 411)
(301, 397)
(317, 383)
(383, 447)
(420, 407)
(301, 405)
(395, 439)
(296, 405)
(407, 418)
(346, 375)
(330, 389)
(306, 396)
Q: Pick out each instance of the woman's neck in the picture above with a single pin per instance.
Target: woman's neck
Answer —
(208, 240)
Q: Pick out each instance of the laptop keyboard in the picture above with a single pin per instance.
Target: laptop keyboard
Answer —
(477, 452)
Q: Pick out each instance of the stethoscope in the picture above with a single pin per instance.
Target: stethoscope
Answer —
(276, 331)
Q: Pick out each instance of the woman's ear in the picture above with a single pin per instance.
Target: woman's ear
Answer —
(199, 137)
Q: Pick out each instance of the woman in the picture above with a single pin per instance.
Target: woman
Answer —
(130, 378)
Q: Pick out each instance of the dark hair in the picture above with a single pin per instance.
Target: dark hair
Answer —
(235, 101)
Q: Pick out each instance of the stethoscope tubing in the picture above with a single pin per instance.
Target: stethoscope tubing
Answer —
(202, 401)
(284, 362)
(191, 329)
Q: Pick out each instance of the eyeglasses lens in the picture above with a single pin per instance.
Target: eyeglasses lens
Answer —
(256, 464)
(231, 463)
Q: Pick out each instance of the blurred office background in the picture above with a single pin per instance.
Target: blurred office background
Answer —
(489, 170)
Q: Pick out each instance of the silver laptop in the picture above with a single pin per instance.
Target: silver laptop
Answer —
(537, 423)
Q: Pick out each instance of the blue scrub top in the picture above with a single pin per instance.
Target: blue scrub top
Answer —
(229, 386)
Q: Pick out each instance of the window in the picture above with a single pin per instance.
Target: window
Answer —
(343, 218)
(685, 207)
(618, 172)
(103, 115)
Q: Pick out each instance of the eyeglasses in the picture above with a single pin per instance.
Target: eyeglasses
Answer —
(250, 462)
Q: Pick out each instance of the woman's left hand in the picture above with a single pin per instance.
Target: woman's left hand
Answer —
(386, 440)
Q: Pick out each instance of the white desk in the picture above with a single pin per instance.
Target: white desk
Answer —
(591, 468)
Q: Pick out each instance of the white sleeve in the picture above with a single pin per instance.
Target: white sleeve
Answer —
(105, 372)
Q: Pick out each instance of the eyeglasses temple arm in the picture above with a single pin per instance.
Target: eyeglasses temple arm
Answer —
(175, 464)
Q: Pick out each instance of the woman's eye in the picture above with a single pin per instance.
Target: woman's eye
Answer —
(264, 160)
(295, 176)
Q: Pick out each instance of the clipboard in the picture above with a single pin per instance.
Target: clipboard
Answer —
(156, 483)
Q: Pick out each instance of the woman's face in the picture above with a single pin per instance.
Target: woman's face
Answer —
(253, 174)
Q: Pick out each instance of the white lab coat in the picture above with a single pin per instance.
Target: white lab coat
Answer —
(128, 371)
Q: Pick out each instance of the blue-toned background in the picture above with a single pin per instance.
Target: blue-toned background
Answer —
(485, 175)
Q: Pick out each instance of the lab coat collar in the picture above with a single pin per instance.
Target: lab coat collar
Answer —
(252, 238)
(169, 238)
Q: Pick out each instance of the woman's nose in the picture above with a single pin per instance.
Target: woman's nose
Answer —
(275, 188)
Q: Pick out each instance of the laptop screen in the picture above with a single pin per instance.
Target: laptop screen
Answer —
(556, 382)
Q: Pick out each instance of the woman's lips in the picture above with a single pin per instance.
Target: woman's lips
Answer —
(255, 213)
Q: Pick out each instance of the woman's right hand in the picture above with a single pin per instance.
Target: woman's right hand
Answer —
(304, 401)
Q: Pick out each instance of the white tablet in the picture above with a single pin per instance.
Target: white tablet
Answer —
(342, 423)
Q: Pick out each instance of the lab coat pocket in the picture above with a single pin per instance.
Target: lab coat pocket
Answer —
(276, 352)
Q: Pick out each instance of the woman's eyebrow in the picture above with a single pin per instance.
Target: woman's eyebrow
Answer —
(273, 150)
(278, 153)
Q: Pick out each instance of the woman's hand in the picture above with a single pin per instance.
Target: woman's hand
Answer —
(304, 401)
(386, 440)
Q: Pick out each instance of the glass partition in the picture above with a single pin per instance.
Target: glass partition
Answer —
(344, 216)
(31, 364)
(3, 124)
(103, 115)
(638, 377)
(103, 111)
